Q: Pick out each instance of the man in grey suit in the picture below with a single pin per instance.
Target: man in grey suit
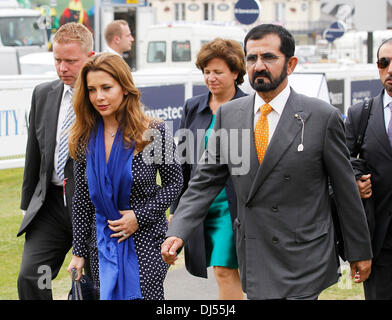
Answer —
(48, 174)
(376, 150)
(284, 230)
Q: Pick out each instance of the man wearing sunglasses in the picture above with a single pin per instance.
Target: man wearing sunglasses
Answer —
(376, 150)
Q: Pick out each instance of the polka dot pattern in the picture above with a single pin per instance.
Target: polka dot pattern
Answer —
(148, 200)
(262, 131)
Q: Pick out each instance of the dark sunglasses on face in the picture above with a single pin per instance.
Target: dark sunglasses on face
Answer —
(382, 63)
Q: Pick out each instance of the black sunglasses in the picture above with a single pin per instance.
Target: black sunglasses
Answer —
(383, 63)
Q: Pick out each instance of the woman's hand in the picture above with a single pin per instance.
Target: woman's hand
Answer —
(78, 264)
(124, 227)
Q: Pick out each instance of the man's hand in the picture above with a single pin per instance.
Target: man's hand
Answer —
(365, 186)
(169, 249)
(360, 270)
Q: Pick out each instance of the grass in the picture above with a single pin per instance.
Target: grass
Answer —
(11, 249)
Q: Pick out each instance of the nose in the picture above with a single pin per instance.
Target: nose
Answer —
(100, 95)
(260, 65)
(63, 66)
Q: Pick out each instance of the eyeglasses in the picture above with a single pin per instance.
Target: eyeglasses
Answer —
(266, 58)
(382, 63)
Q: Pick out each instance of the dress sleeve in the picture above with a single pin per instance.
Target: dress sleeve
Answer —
(166, 158)
(83, 211)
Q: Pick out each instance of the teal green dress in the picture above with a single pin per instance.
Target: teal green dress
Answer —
(218, 230)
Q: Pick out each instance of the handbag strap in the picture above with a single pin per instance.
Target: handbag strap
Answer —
(366, 108)
(77, 292)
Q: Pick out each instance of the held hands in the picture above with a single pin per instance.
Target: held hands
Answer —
(360, 270)
(125, 226)
(78, 264)
(365, 186)
(169, 249)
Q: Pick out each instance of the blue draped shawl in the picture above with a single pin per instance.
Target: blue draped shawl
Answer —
(110, 187)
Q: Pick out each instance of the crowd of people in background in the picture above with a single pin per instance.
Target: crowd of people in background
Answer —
(93, 156)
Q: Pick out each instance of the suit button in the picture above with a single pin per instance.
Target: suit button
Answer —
(275, 240)
(275, 208)
(286, 177)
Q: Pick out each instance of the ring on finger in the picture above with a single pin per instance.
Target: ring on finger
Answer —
(123, 234)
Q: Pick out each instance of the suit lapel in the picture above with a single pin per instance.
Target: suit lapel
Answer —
(52, 108)
(247, 110)
(378, 123)
(287, 129)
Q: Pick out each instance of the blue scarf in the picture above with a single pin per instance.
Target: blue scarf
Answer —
(110, 187)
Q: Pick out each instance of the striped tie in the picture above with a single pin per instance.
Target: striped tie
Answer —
(262, 131)
(65, 128)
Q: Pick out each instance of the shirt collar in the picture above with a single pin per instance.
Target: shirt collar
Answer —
(66, 88)
(387, 99)
(113, 51)
(276, 103)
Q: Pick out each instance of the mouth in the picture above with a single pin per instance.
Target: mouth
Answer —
(102, 107)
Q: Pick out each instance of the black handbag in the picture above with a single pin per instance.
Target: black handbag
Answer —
(357, 164)
(82, 289)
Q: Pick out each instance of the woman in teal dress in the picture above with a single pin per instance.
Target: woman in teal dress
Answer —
(213, 242)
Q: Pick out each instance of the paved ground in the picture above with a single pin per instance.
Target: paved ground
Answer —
(181, 285)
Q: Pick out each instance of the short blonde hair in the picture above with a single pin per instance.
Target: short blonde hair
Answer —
(114, 29)
(75, 32)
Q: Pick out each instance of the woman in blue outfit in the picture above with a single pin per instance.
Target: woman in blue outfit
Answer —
(213, 243)
(118, 210)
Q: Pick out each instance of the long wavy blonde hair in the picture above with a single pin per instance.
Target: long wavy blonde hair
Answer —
(133, 122)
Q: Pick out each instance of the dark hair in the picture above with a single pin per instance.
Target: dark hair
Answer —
(228, 50)
(287, 42)
(382, 43)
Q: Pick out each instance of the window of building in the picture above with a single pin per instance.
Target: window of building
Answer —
(209, 11)
(179, 9)
(280, 12)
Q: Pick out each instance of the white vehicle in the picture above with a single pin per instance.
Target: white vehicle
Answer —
(20, 33)
(177, 45)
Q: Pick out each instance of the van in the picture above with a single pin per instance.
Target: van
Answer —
(176, 46)
(21, 33)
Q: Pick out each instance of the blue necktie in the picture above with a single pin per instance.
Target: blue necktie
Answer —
(64, 134)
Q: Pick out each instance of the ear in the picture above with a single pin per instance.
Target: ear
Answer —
(291, 64)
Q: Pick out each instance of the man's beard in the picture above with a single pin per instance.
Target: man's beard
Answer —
(387, 86)
(261, 86)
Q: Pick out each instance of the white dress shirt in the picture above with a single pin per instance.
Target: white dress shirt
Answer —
(277, 105)
(62, 114)
(110, 50)
(387, 112)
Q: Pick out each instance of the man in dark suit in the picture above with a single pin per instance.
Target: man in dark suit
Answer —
(295, 144)
(376, 150)
(48, 175)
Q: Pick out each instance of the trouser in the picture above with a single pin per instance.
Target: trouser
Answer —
(379, 284)
(47, 241)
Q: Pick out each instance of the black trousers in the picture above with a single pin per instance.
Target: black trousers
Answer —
(379, 284)
(47, 241)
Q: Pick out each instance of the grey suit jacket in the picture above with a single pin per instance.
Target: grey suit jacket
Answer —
(41, 143)
(284, 226)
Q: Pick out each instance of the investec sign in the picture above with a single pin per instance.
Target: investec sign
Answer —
(246, 11)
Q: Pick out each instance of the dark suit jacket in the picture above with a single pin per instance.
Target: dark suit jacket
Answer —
(198, 115)
(285, 236)
(41, 143)
(377, 152)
